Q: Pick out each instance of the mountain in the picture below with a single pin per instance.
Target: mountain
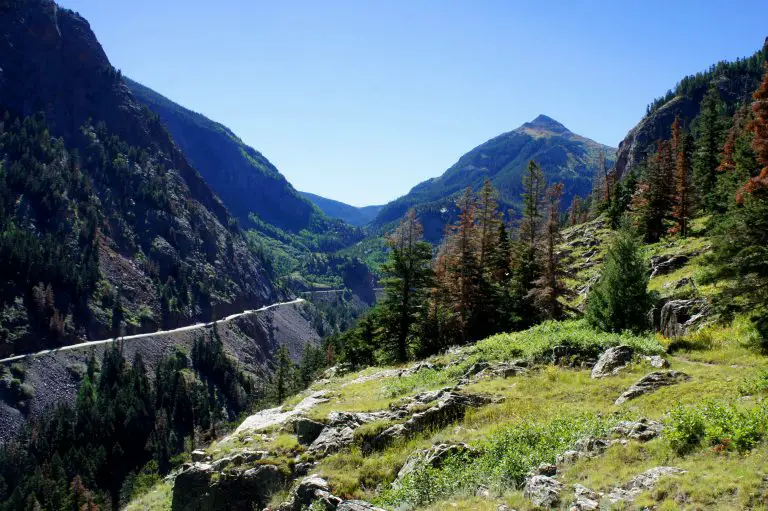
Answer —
(350, 214)
(563, 156)
(244, 179)
(734, 83)
(105, 227)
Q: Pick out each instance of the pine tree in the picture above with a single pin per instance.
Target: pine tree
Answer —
(619, 300)
(408, 277)
(533, 189)
(283, 374)
(708, 144)
(549, 286)
(652, 203)
(683, 203)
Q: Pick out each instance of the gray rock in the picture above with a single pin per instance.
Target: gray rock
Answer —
(340, 430)
(433, 457)
(657, 361)
(641, 430)
(586, 499)
(643, 482)
(651, 382)
(307, 430)
(568, 457)
(357, 505)
(196, 489)
(591, 446)
(662, 265)
(611, 361)
(545, 469)
(198, 455)
(543, 491)
(680, 317)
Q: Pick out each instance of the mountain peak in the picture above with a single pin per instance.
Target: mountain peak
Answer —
(543, 122)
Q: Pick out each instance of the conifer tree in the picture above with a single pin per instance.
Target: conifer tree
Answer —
(619, 300)
(708, 144)
(682, 209)
(533, 190)
(549, 286)
(652, 203)
(408, 277)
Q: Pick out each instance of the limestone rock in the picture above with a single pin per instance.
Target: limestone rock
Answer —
(651, 382)
(543, 491)
(611, 361)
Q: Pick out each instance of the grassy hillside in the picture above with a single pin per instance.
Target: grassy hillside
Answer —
(536, 404)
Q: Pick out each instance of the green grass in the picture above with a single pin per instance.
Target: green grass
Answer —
(157, 499)
(537, 343)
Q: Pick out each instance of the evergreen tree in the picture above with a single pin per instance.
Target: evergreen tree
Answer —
(549, 286)
(708, 144)
(283, 374)
(619, 300)
(682, 209)
(652, 203)
(408, 277)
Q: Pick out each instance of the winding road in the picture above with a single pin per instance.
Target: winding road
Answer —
(152, 334)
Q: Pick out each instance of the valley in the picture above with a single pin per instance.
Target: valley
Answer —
(551, 323)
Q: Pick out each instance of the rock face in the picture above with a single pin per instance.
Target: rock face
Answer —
(314, 489)
(679, 317)
(586, 499)
(196, 488)
(543, 491)
(340, 429)
(611, 361)
(732, 88)
(651, 382)
(307, 430)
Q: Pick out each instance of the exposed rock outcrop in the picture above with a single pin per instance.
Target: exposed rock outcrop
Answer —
(641, 430)
(679, 317)
(651, 382)
(611, 361)
(662, 265)
(433, 457)
(643, 482)
(196, 488)
(585, 499)
(314, 489)
(543, 491)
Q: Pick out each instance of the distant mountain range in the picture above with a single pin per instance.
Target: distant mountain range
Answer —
(336, 209)
(563, 156)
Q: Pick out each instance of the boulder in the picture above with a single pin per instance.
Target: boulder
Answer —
(641, 430)
(195, 488)
(651, 382)
(543, 491)
(662, 265)
(340, 430)
(643, 482)
(585, 499)
(611, 361)
(679, 317)
(198, 455)
(657, 361)
(433, 457)
(307, 430)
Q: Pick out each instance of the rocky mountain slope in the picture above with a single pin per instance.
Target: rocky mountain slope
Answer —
(734, 81)
(149, 244)
(563, 156)
(350, 214)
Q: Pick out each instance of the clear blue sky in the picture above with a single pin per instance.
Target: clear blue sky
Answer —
(359, 100)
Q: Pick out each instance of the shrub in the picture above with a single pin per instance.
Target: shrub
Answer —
(724, 427)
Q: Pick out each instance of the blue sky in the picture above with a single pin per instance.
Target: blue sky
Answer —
(359, 100)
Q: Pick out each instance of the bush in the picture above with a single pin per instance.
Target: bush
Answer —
(716, 425)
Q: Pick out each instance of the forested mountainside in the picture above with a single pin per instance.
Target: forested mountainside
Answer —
(562, 155)
(350, 214)
(246, 181)
(106, 228)
(293, 237)
(733, 82)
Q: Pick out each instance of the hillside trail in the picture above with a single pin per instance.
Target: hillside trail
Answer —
(135, 337)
